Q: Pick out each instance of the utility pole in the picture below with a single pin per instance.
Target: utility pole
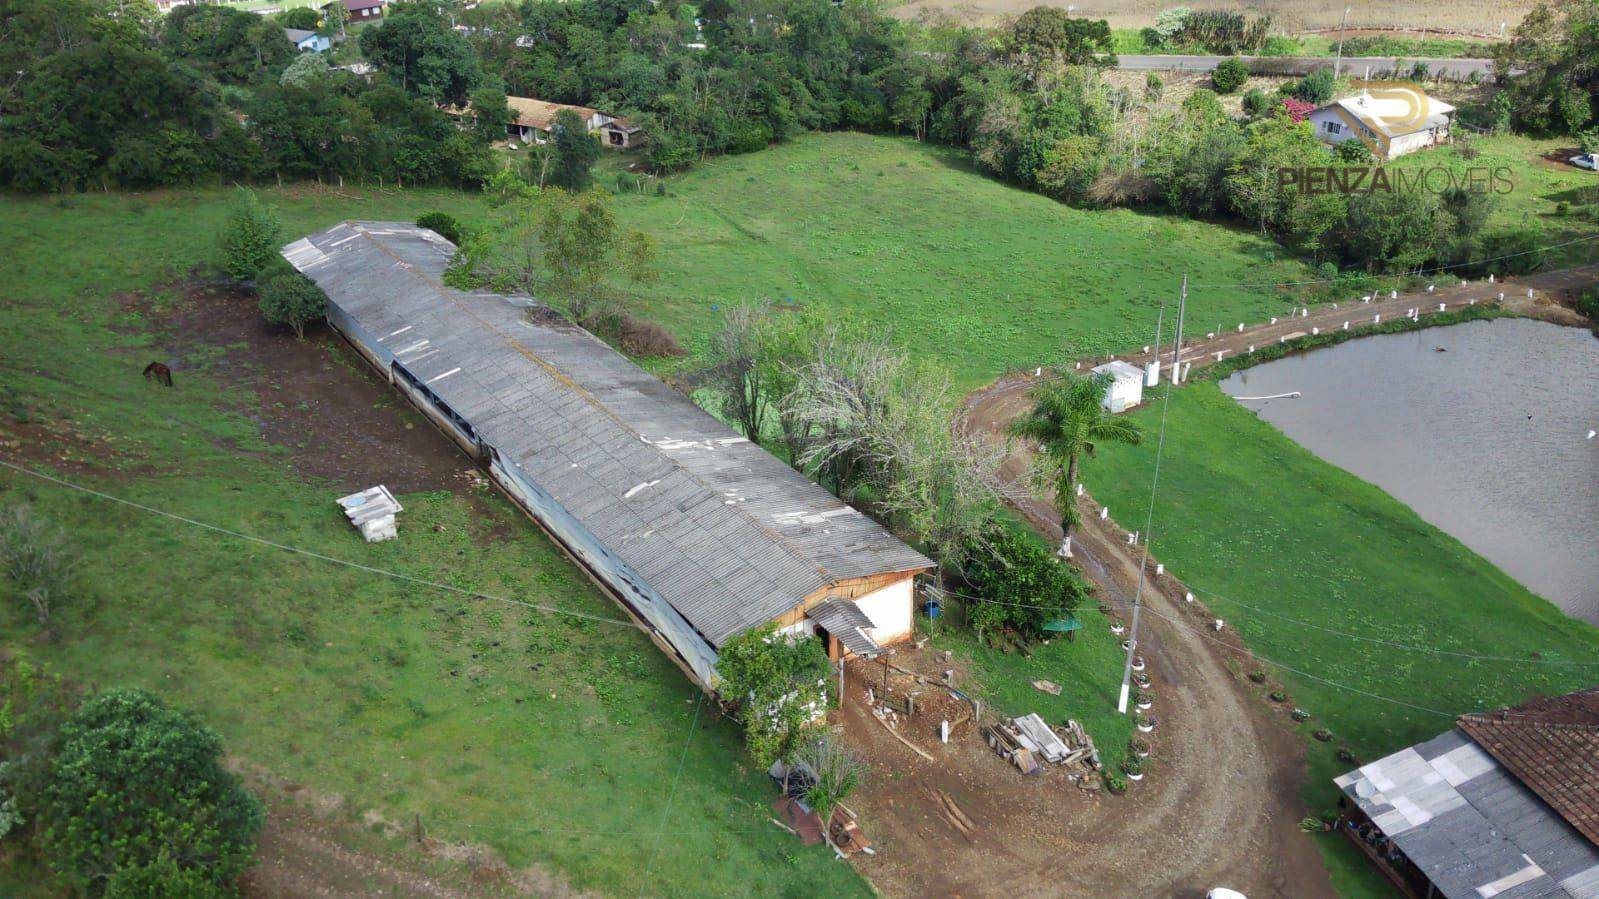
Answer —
(1342, 27)
(1149, 516)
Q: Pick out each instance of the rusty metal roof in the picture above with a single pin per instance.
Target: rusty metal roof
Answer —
(724, 531)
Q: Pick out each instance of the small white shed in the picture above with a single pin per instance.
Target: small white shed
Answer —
(1126, 388)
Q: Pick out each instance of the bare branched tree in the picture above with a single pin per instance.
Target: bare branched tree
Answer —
(35, 562)
(838, 774)
(734, 369)
(878, 425)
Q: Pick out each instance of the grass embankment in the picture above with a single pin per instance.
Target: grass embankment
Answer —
(553, 740)
(1269, 535)
(905, 236)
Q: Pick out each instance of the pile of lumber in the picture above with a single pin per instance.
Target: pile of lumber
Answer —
(1028, 743)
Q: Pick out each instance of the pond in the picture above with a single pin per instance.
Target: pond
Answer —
(1481, 428)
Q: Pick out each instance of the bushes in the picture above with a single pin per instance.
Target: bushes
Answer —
(35, 564)
(1588, 304)
(778, 684)
(138, 785)
(290, 298)
(1256, 102)
(250, 238)
(1020, 584)
(1230, 75)
(1317, 87)
(443, 224)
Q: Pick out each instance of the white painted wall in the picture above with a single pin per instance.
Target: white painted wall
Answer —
(890, 609)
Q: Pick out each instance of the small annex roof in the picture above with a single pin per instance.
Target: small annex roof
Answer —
(1552, 746)
(722, 530)
(296, 35)
(844, 619)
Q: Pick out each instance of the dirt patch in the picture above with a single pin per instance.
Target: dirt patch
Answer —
(315, 397)
(315, 845)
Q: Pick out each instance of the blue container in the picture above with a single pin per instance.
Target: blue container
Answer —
(932, 608)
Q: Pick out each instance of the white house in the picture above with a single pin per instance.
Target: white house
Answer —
(1389, 127)
(308, 41)
(1126, 388)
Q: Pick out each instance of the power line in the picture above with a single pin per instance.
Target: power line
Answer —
(1409, 647)
(371, 569)
(655, 845)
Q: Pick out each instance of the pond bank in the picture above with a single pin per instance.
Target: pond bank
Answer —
(1479, 427)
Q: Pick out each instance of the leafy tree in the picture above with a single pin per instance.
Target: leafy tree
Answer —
(490, 114)
(306, 71)
(1554, 49)
(779, 684)
(564, 248)
(163, 877)
(1046, 38)
(250, 237)
(1317, 87)
(36, 565)
(1068, 421)
(235, 46)
(417, 47)
(138, 784)
(1230, 75)
(574, 153)
(1017, 584)
(303, 18)
(290, 298)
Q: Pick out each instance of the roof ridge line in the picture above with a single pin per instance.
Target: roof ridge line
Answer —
(565, 379)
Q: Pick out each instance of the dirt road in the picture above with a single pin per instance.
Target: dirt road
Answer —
(1225, 807)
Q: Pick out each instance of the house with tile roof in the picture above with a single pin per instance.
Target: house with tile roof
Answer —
(1505, 804)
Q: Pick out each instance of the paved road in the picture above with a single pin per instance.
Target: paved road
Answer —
(1301, 65)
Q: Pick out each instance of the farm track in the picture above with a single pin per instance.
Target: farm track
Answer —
(1223, 804)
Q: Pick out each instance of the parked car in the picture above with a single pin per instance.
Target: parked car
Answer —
(1586, 161)
(1224, 893)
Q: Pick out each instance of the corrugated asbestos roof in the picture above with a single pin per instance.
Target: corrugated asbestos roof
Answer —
(844, 619)
(725, 532)
(1552, 745)
(1471, 826)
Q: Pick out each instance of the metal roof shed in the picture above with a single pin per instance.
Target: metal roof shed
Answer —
(700, 532)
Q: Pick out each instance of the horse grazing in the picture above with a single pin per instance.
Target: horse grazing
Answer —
(158, 372)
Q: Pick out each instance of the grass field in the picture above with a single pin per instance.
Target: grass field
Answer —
(555, 741)
(905, 236)
(1270, 536)
(551, 740)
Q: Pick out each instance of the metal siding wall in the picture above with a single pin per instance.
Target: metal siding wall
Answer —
(694, 649)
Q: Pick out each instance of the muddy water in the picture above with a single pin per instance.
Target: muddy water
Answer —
(1486, 440)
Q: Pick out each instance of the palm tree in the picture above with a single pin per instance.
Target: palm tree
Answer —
(1067, 420)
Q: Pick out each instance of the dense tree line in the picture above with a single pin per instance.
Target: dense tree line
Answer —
(108, 93)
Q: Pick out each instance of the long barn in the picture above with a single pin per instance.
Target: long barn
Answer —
(699, 533)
